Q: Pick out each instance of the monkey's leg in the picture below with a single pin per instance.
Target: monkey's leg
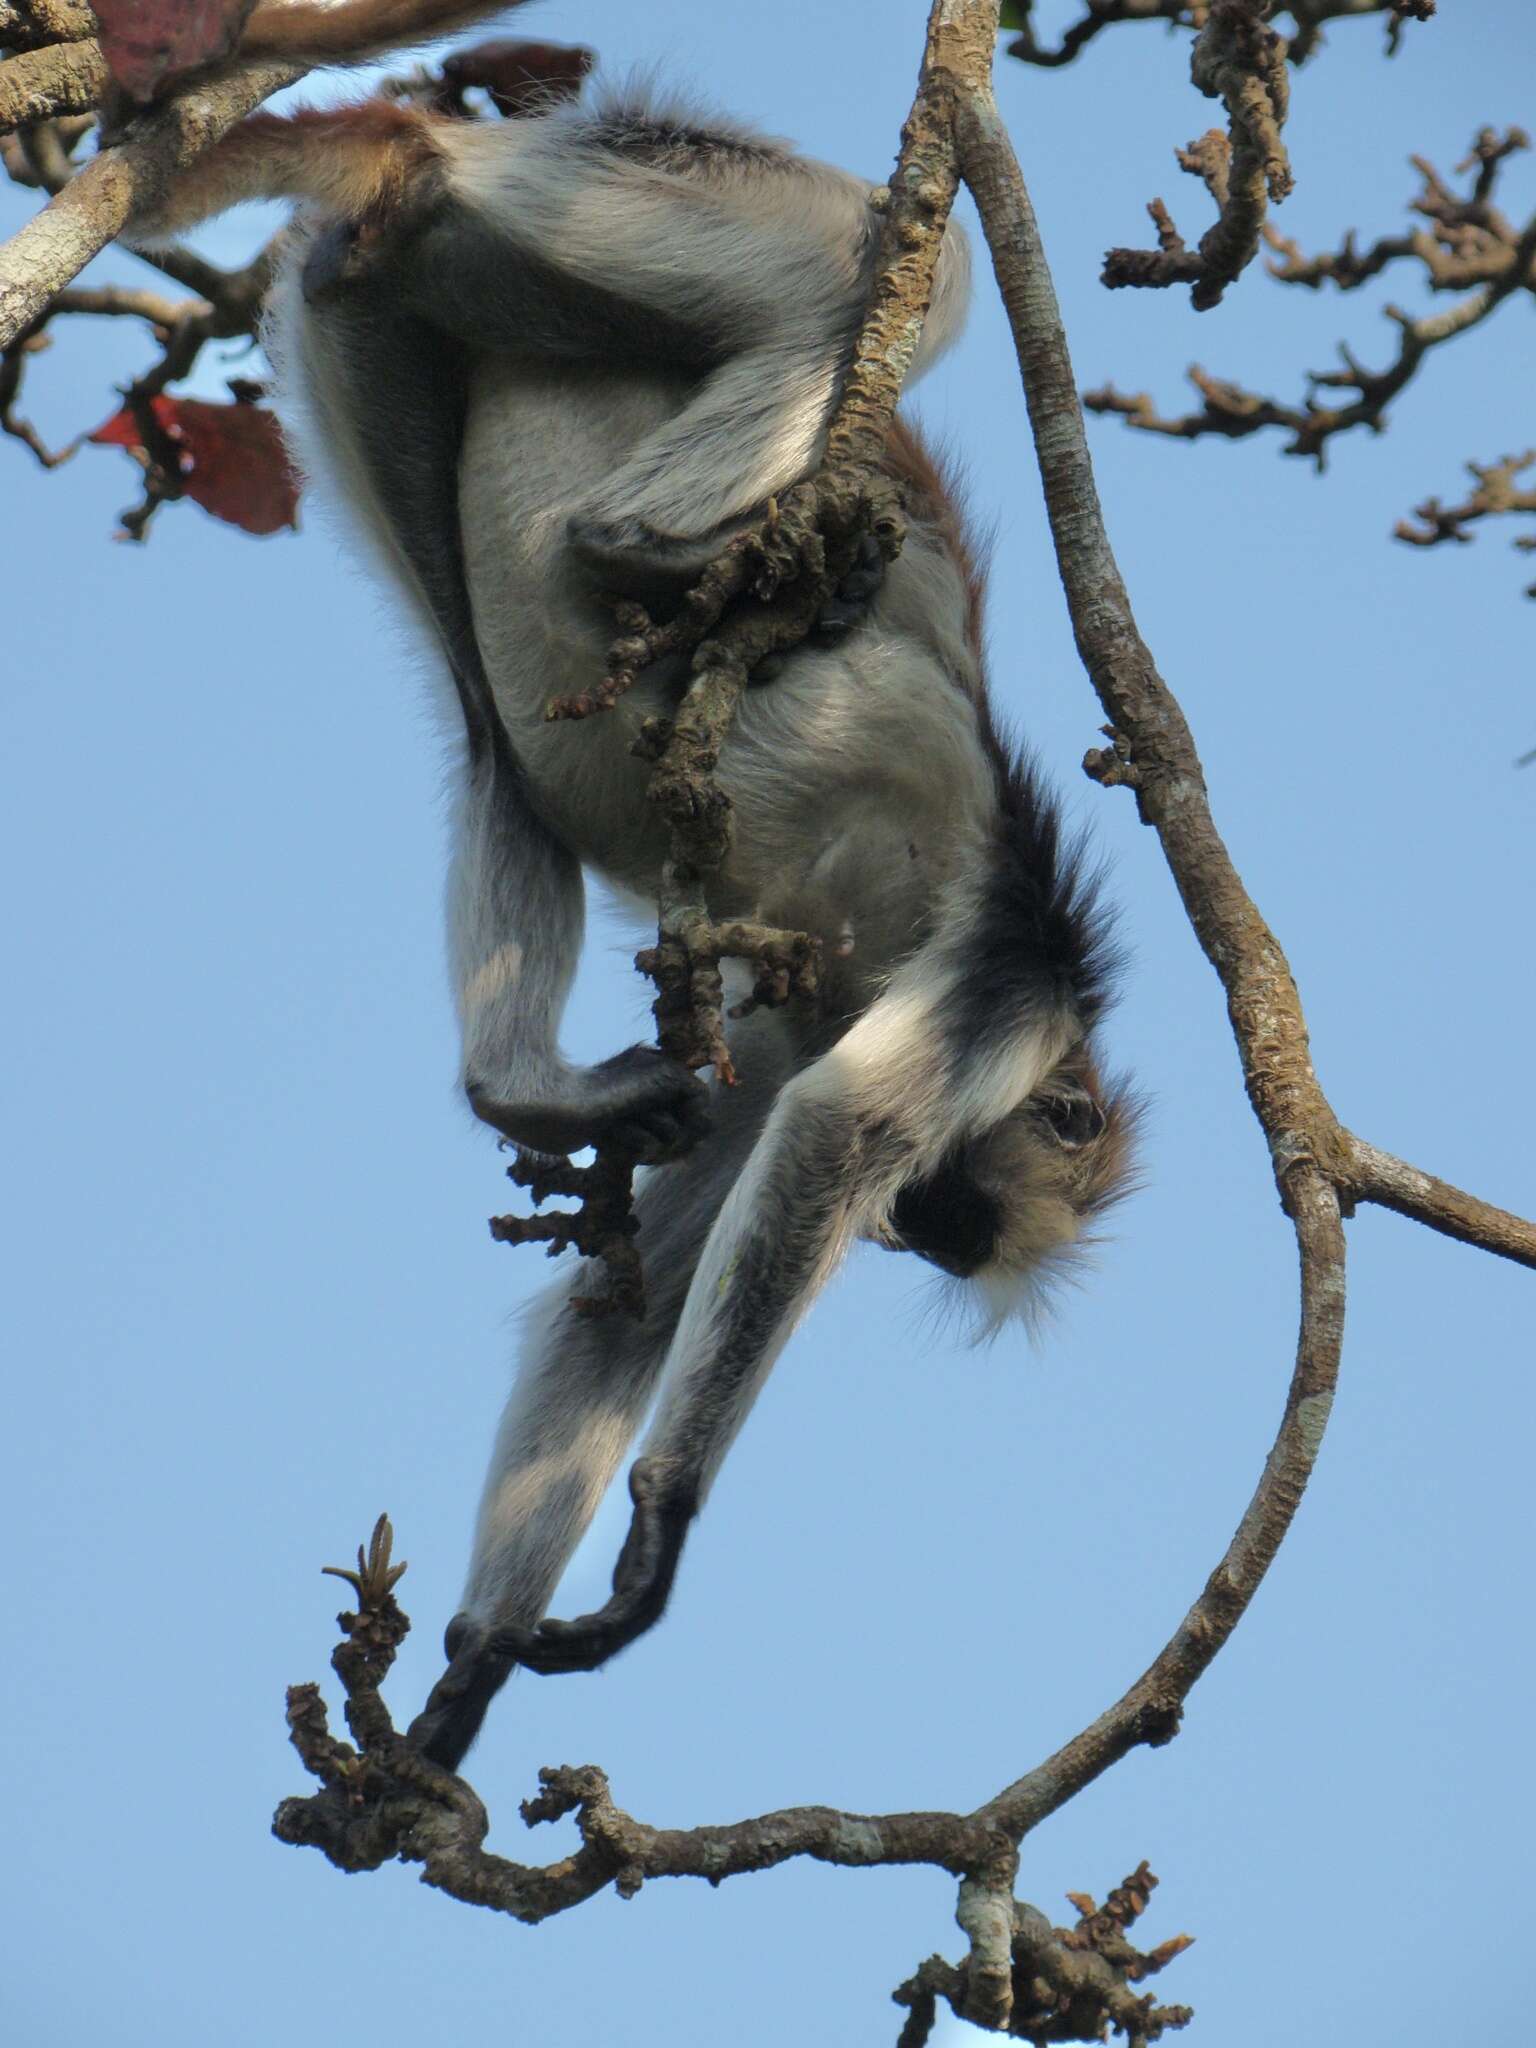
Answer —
(385, 390)
(582, 1389)
(913, 1077)
(749, 280)
(789, 1220)
(515, 928)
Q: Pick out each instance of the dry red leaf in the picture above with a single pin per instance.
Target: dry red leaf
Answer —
(232, 458)
(147, 41)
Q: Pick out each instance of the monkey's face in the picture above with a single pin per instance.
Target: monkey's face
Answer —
(1008, 1210)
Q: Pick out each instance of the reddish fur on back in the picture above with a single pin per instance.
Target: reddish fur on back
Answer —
(932, 496)
(357, 162)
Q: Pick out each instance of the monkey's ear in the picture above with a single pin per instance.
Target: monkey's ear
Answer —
(1073, 1116)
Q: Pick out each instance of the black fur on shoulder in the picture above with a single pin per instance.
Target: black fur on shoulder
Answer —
(1041, 928)
(675, 136)
(1041, 917)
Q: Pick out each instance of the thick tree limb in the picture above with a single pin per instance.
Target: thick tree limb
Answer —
(63, 78)
(28, 24)
(78, 222)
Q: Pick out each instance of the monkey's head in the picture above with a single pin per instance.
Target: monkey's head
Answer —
(1010, 1209)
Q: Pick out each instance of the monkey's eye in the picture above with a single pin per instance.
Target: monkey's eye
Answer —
(1075, 1119)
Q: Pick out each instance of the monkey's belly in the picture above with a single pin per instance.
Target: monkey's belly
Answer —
(857, 791)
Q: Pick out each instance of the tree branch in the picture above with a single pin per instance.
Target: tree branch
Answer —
(62, 78)
(1098, 15)
(1497, 495)
(1393, 1184)
(78, 222)
(1238, 60)
(1314, 1159)
(382, 1800)
(28, 24)
(1469, 244)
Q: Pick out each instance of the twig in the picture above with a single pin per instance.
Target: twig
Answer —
(602, 1228)
(1238, 60)
(1470, 244)
(13, 367)
(1060, 1983)
(1497, 494)
(1098, 15)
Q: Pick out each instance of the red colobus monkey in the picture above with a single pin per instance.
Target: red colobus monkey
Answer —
(546, 358)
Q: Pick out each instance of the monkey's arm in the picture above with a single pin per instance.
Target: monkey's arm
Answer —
(582, 1389)
(383, 393)
(515, 929)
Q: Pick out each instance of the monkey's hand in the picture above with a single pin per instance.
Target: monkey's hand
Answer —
(639, 1100)
(450, 1721)
(632, 560)
(847, 604)
(642, 1582)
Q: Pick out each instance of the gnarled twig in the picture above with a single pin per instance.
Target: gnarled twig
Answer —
(1238, 60)
(1469, 247)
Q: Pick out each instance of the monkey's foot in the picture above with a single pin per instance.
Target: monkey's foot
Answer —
(629, 559)
(640, 1102)
(642, 1584)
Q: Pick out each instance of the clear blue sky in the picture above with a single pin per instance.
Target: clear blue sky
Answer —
(251, 1299)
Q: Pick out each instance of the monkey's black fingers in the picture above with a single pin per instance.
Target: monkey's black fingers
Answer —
(866, 576)
(661, 1135)
(642, 1584)
(837, 619)
(456, 1705)
(848, 605)
(586, 1643)
(640, 1092)
(652, 1140)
